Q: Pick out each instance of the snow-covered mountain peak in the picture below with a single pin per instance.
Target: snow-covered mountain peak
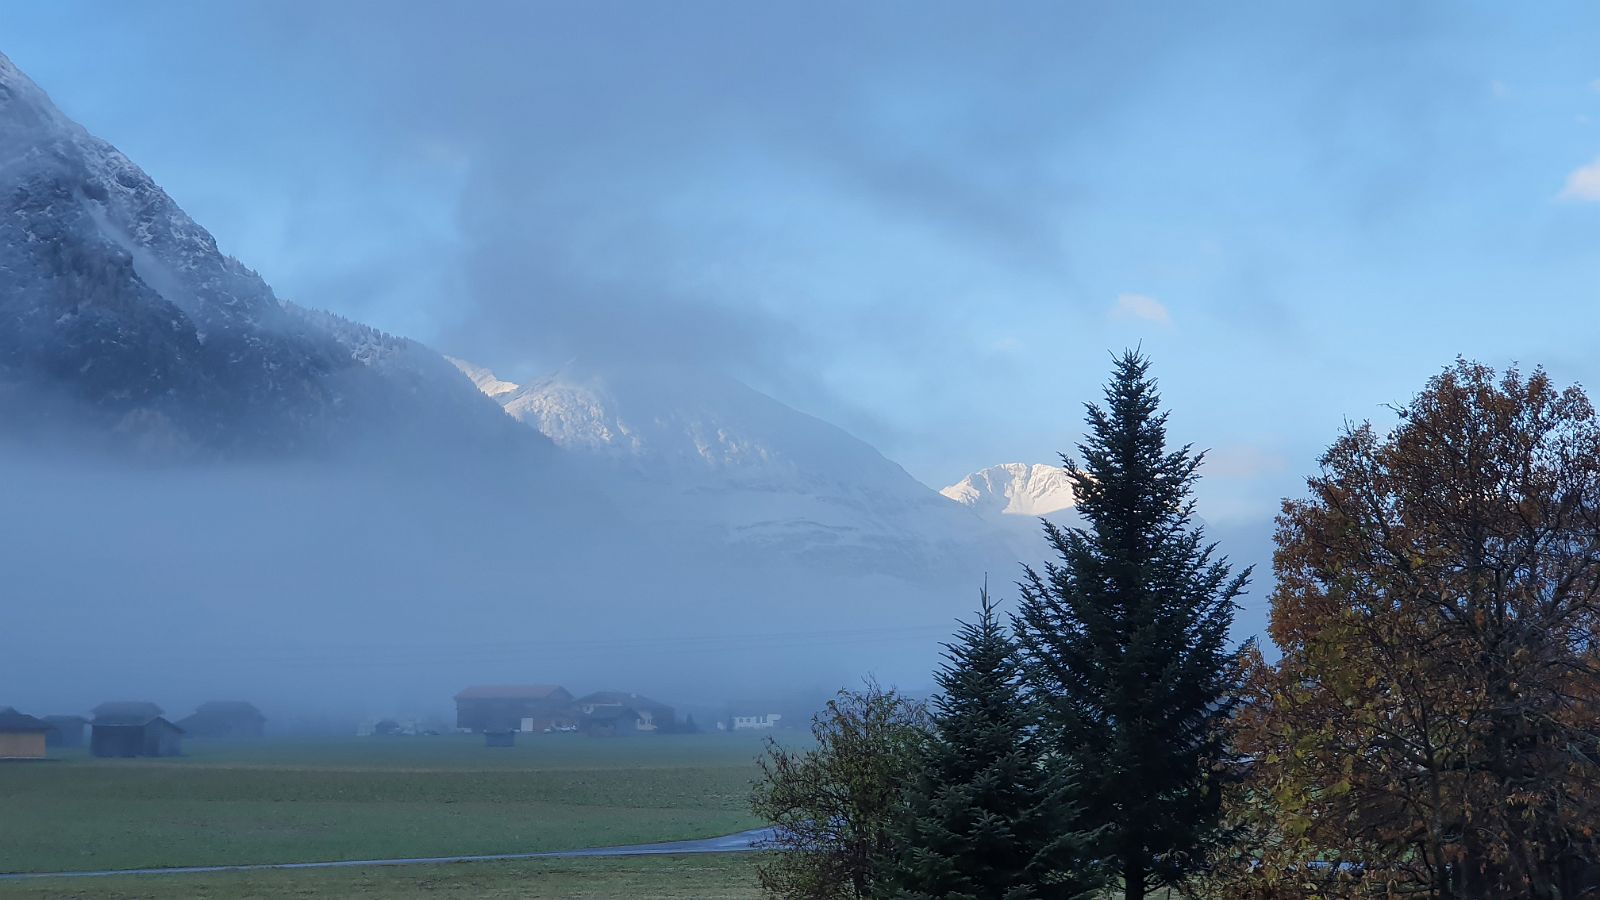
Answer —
(1017, 489)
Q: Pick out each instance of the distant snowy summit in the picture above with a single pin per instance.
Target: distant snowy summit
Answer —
(1014, 489)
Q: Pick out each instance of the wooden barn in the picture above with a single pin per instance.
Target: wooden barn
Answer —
(224, 719)
(529, 708)
(609, 706)
(21, 736)
(65, 731)
(133, 728)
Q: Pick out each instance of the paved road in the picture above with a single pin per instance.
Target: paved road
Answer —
(742, 842)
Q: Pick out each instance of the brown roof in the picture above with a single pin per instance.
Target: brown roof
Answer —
(512, 692)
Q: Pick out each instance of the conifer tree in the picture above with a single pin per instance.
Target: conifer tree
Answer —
(986, 819)
(1125, 642)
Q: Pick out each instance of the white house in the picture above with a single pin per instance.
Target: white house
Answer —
(750, 723)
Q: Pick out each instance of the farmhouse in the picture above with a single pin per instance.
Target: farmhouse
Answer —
(65, 731)
(610, 721)
(614, 706)
(224, 719)
(513, 707)
(21, 736)
(133, 728)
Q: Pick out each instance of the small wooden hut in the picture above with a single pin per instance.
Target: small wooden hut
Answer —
(133, 728)
(21, 736)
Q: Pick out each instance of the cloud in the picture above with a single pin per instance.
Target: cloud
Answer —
(1244, 461)
(1583, 185)
(724, 185)
(1140, 306)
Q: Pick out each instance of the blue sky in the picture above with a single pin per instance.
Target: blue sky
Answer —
(926, 222)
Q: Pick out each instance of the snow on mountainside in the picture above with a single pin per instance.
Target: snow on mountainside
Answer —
(1016, 489)
(705, 453)
(698, 425)
(482, 378)
(119, 311)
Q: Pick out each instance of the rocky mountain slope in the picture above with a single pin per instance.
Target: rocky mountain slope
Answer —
(120, 314)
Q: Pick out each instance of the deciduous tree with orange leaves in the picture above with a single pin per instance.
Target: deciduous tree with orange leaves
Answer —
(1433, 726)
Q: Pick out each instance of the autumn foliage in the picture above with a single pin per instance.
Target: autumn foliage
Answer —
(1433, 726)
(835, 804)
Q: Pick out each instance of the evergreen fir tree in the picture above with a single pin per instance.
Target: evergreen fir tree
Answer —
(986, 819)
(1124, 641)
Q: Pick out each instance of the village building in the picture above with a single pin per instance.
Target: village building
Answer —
(625, 712)
(224, 719)
(21, 736)
(610, 721)
(65, 731)
(133, 728)
(756, 723)
(530, 708)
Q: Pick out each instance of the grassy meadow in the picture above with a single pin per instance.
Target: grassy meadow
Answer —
(709, 877)
(370, 798)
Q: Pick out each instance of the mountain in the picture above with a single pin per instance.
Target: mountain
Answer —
(1014, 489)
(676, 529)
(712, 457)
(120, 314)
(123, 319)
(1012, 497)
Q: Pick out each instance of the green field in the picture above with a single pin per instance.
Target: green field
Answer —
(368, 798)
(719, 877)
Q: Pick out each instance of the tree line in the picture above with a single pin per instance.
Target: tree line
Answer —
(1429, 728)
